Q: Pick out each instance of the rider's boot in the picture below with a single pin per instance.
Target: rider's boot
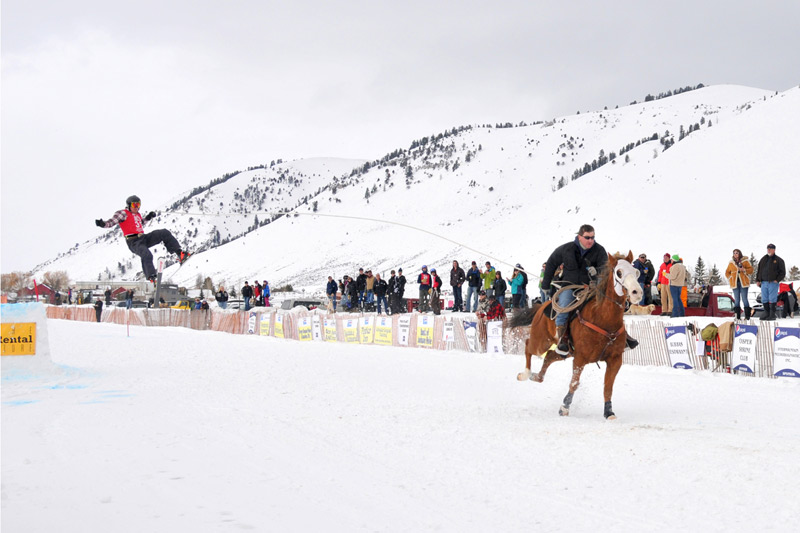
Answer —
(562, 348)
(630, 342)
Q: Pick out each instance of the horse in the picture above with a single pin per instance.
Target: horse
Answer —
(597, 330)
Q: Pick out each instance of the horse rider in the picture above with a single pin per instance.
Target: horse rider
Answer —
(582, 259)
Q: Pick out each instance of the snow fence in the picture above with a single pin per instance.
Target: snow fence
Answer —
(443, 332)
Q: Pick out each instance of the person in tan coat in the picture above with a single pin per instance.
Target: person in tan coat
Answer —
(677, 281)
(738, 275)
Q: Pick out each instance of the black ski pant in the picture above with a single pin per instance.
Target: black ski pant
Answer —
(141, 247)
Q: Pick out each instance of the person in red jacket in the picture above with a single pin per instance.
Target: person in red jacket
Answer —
(132, 223)
(663, 286)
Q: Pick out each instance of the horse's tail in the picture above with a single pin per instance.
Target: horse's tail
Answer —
(523, 317)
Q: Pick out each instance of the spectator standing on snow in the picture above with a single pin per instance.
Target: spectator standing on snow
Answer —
(98, 308)
(424, 282)
(677, 281)
(369, 290)
(517, 282)
(738, 276)
(457, 278)
(380, 287)
(247, 294)
(361, 285)
(436, 291)
(330, 291)
(473, 287)
(391, 286)
(222, 297)
(401, 285)
(499, 288)
(648, 281)
(771, 271)
(663, 286)
(265, 293)
(641, 266)
(488, 278)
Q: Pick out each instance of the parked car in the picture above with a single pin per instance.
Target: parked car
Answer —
(309, 303)
(183, 304)
(135, 303)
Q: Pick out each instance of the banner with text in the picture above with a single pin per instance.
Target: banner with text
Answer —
(787, 352)
(383, 331)
(678, 346)
(743, 357)
(424, 331)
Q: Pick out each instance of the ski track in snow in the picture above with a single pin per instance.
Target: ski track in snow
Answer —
(179, 430)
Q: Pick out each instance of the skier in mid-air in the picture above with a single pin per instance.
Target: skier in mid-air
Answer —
(131, 222)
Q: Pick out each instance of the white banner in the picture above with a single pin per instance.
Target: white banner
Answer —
(403, 329)
(316, 329)
(494, 336)
(787, 352)
(449, 331)
(743, 357)
(678, 346)
(251, 323)
(263, 328)
(471, 331)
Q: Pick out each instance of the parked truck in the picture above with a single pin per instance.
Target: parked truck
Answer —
(707, 304)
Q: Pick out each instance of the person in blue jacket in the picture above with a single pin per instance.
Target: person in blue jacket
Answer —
(473, 287)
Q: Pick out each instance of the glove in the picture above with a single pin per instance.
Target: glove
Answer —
(100, 223)
(151, 215)
(592, 271)
(658, 286)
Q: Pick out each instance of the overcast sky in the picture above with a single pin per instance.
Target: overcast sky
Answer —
(102, 99)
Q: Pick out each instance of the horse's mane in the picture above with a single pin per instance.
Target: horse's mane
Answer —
(598, 292)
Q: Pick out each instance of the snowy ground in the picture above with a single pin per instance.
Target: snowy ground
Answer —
(179, 430)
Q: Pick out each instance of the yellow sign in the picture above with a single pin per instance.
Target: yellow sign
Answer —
(383, 331)
(19, 339)
(279, 326)
(304, 329)
(330, 330)
(424, 331)
(265, 320)
(351, 331)
(366, 329)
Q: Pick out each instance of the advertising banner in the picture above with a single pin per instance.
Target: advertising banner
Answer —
(448, 332)
(365, 329)
(678, 346)
(350, 330)
(787, 352)
(304, 328)
(330, 330)
(383, 331)
(743, 356)
(279, 325)
(265, 321)
(403, 329)
(471, 331)
(494, 336)
(251, 323)
(19, 338)
(316, 329)
(424, 331)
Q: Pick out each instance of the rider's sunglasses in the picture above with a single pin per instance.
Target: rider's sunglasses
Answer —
(136, 204)
(588, 237)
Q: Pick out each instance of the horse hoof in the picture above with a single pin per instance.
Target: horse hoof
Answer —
(563, 411)
(612, 416)
(537, 378)
(524, 376)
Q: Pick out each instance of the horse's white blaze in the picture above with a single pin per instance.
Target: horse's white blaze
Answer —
(626, 279)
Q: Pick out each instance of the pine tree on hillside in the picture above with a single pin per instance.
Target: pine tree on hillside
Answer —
(794, 273)
(714, 277)
(700, 271)
(754, 262)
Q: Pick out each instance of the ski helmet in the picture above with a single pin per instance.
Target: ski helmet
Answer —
(132, 199)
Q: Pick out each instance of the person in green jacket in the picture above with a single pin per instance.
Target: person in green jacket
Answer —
(488, 277)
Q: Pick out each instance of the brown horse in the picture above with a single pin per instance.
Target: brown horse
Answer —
(597, 330)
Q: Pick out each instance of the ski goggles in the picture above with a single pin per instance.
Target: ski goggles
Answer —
(136, 204)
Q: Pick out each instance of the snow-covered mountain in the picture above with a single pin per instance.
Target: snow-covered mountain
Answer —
(697, 174)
